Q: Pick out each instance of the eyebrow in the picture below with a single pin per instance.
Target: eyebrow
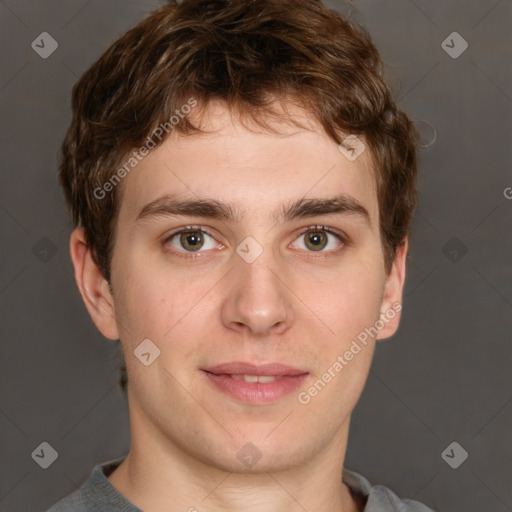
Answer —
(213, 209)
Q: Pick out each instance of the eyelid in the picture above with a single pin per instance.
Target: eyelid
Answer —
(332, 231)
(184, 229)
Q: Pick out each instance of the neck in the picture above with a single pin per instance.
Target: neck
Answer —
(159, 476)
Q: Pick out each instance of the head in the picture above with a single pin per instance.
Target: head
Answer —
(251, 105)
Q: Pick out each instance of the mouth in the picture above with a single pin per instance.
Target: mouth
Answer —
(255, 384)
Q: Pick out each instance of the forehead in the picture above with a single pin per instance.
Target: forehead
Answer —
(248, 167)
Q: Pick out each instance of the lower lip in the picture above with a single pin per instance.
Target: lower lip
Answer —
(256, 392)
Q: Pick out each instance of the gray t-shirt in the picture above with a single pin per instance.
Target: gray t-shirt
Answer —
(97, 494)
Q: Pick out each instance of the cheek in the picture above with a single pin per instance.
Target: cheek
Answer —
(170, 312)
(344, 302)
(349, 305)
(142, 303)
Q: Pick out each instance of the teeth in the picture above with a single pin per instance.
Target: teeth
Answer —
(266, 378)
(255, 378)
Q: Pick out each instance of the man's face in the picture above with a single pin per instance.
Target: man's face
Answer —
(253, 289)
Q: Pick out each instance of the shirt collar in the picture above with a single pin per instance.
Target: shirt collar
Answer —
(99, 483)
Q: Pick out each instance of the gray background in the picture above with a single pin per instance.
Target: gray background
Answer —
(444, 377)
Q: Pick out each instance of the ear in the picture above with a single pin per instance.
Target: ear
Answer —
(391, 307)
(93, 287)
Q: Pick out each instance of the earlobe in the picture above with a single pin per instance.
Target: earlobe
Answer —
(93, 286)
(392, 301)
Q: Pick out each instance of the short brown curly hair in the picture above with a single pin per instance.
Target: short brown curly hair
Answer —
(243, 52)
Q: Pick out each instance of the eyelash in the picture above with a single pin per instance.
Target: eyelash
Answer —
(192, 255)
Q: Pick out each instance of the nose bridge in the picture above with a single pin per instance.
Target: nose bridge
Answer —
(257, 299)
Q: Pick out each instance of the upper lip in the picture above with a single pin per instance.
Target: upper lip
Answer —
(241, 368)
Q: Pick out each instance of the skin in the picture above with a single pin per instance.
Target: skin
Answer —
(292, 305)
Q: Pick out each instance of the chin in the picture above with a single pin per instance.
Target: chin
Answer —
(259, 454)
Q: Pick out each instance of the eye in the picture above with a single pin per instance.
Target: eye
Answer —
(191, 239)
(318, 238)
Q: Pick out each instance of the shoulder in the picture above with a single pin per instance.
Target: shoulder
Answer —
(72, 503)
(96, 493)
(384, 500)
(380, 498)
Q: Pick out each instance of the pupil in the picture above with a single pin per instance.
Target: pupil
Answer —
(316, 239)
(192, 241)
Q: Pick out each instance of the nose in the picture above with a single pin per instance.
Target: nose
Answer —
(258, 301)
